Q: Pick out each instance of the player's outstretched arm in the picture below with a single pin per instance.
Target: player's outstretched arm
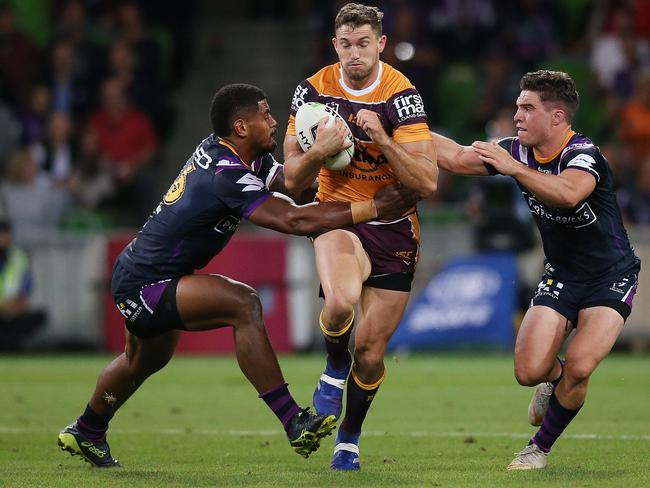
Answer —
(453, 157)
(282, 214)
(301, 168)
(414, 163)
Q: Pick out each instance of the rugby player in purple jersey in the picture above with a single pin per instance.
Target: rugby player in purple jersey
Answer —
(231, 175)
(590, 272)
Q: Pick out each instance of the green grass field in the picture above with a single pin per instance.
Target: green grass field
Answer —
(439, 420)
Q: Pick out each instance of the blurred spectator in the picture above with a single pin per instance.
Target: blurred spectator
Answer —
(132, 30)
(128, 143)
(635, 206)
(635, 119)
(126, 138)
(10, 133)
(91, 184)
(18, 59)
(32, 204)
(18, 323)
(534, 33)
(54, 154)
(141, 87)
(34, 119)
(410, 51)
(462, 26)
(617, 49)
(70, 91)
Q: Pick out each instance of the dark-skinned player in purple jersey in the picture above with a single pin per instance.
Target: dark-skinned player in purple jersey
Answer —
(231, 175)
(590, 271)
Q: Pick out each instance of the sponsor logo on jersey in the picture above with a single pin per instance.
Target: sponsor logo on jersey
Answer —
(298, 99)
(228, 225)
(582, 216)
(409, 106)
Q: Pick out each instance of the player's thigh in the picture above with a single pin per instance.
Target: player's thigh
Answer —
(151, 353)
(342, 264)
(380, 312)
(542, 332)
(597, 331)
(213, 301)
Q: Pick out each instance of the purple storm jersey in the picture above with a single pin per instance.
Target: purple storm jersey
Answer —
(198, 215)
(587, 243)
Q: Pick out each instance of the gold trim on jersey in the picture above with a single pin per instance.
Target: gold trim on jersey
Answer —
(541, 160)
(232, 148)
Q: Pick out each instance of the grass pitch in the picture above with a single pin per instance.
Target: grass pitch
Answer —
(438, 420)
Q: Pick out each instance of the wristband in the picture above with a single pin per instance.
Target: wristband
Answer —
(363, 211)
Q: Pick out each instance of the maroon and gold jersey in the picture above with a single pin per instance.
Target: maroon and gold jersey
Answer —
(401, 112)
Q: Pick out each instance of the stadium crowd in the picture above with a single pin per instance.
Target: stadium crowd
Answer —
(84, 105)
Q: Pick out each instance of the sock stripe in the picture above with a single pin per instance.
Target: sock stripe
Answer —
(365, 386)
(338, 333)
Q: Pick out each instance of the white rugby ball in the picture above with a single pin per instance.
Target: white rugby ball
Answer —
(307, 118)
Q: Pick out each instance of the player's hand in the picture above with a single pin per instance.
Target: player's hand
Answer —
(498, 157)
(331, 139)
(371, 124)
(393, 200)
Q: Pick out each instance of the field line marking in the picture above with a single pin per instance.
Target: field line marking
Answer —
(262, 432)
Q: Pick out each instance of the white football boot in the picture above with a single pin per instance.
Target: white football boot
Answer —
(532, 457)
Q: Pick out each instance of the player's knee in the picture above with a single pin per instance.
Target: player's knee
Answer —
(339, 308)
(249, 308)
(368, 357)
(576, 372)
(528, 376)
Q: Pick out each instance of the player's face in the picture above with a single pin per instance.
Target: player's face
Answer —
(358, 50)
(263, 128)
(533, 119)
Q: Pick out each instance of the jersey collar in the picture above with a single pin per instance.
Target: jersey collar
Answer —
(223, 142)
(541, 160)
(363, 91)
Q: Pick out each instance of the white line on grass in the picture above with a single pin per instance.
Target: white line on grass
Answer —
(251, 433)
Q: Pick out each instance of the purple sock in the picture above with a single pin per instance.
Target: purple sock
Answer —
(557, 419)
(281, 402)
(93, 425)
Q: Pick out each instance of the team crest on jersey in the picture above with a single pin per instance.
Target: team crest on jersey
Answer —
(364, 160)
(177, 189)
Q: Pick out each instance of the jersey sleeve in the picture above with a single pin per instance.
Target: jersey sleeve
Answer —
(305, 92)
(584, 157)
(240, 190)
(505, 143)
(406, 115)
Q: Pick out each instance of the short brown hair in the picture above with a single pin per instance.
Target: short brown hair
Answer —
(357, 14)
(553, 86)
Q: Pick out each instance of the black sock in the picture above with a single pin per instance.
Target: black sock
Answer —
(336, 344)
(359, 398)
(557, 381)
(93, 425)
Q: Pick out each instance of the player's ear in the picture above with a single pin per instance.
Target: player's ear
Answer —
(382, 43)
(239, 127)
(558, 116)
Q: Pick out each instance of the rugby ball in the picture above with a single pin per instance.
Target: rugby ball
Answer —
(307, 118)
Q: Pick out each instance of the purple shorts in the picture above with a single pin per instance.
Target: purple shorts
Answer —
(569, 298)
(393, 251)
